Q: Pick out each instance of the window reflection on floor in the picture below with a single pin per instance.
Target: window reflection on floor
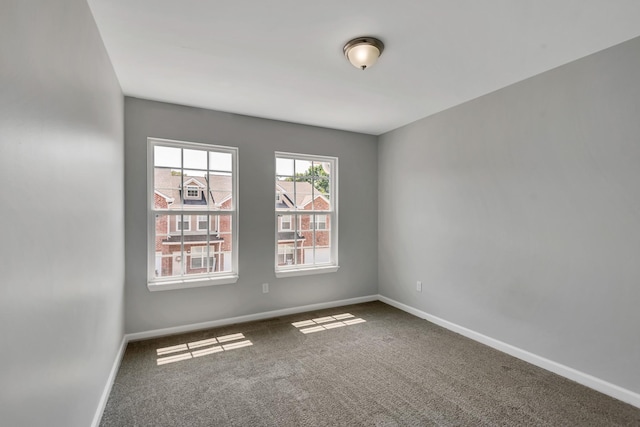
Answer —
(201, 348)
(327, 322)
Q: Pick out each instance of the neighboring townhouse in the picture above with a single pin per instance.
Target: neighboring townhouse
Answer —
(302, 238)
(184, 193)
(296, 232)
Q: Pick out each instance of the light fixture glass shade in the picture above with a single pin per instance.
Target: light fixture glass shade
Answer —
(363, 52)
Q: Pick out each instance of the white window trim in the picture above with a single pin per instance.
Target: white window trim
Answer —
(331, 215)
(181, 219)
(195, 280)
(316, 222)
(290, 223)
(307, 271)
(190, 187)
(202, 256)
(198, 221)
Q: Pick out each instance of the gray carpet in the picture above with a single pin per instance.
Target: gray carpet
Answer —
(374, 365)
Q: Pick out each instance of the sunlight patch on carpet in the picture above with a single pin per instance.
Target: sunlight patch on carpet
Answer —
(201, 348)
(327, 322)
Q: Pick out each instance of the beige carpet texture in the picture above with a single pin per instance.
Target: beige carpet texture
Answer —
(361, 365)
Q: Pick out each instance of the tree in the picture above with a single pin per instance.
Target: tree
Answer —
(313, 176)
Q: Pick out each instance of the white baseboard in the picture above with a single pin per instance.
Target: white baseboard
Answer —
(587, 380)
(247, 318)
(110, 380)
(206, 325)
(565, 371)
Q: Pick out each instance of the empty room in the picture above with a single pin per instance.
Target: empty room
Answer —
(279, 213)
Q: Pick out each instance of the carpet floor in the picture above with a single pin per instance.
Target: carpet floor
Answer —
(361, 365)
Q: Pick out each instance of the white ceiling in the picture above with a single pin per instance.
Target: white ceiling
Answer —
(282, 59)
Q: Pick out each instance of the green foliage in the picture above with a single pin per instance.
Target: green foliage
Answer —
(312, 176)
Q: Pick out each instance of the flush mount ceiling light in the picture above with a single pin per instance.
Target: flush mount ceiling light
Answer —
(363, 52)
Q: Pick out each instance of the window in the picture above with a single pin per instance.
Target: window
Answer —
(193, 214)
(306, 212)
(192, 192)
(199, 255)
(320, 222)
(203, 222)
(183, 222)
(285, 254)
(285, 222)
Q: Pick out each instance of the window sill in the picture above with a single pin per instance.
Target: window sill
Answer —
(191, 283)
(306, 271)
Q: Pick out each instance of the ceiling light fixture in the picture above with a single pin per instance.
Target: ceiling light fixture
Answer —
(363, 52)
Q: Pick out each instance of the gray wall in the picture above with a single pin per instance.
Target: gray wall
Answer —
(62, 209)
(520, 212)
(256, 139)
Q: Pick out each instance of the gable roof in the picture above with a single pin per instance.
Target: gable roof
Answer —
(303, 192)
(168, 183)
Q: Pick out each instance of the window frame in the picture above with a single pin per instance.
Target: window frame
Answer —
(314, 224)
(188, 188)
(331, 217)
(201, 279)
(290, 222)
(201, 254)
(182, 219)
(206, 221)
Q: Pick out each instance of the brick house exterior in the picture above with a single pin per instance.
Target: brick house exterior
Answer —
(297, 240)
(181, 241)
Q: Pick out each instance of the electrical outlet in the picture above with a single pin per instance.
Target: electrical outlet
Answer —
(419, 286)
(265, 288)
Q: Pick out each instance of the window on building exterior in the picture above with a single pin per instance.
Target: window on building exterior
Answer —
(319, 222)
(203, 257)
(192, 182)
(285, 222)
(306, 212)
(203, 222)
(192, 192)
(183, 222)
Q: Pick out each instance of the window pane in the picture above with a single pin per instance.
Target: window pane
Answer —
(166, 185)
(322, 202)
(182, 223)
(203, 222)
(194, 189)
(220, 161)
(290, 240)
(290, 254)
(285, 194)
(187, 180)
(195, 159)
(225, 246)
(316, 245)
(168, 260)
(304, 237)
(303, 194)
(166, 156)
(302, 167)
(322, 184)
(202, 258)
(221, 191)
(284, 167)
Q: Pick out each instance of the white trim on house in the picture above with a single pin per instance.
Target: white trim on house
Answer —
(181, 219)
(198, 221)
